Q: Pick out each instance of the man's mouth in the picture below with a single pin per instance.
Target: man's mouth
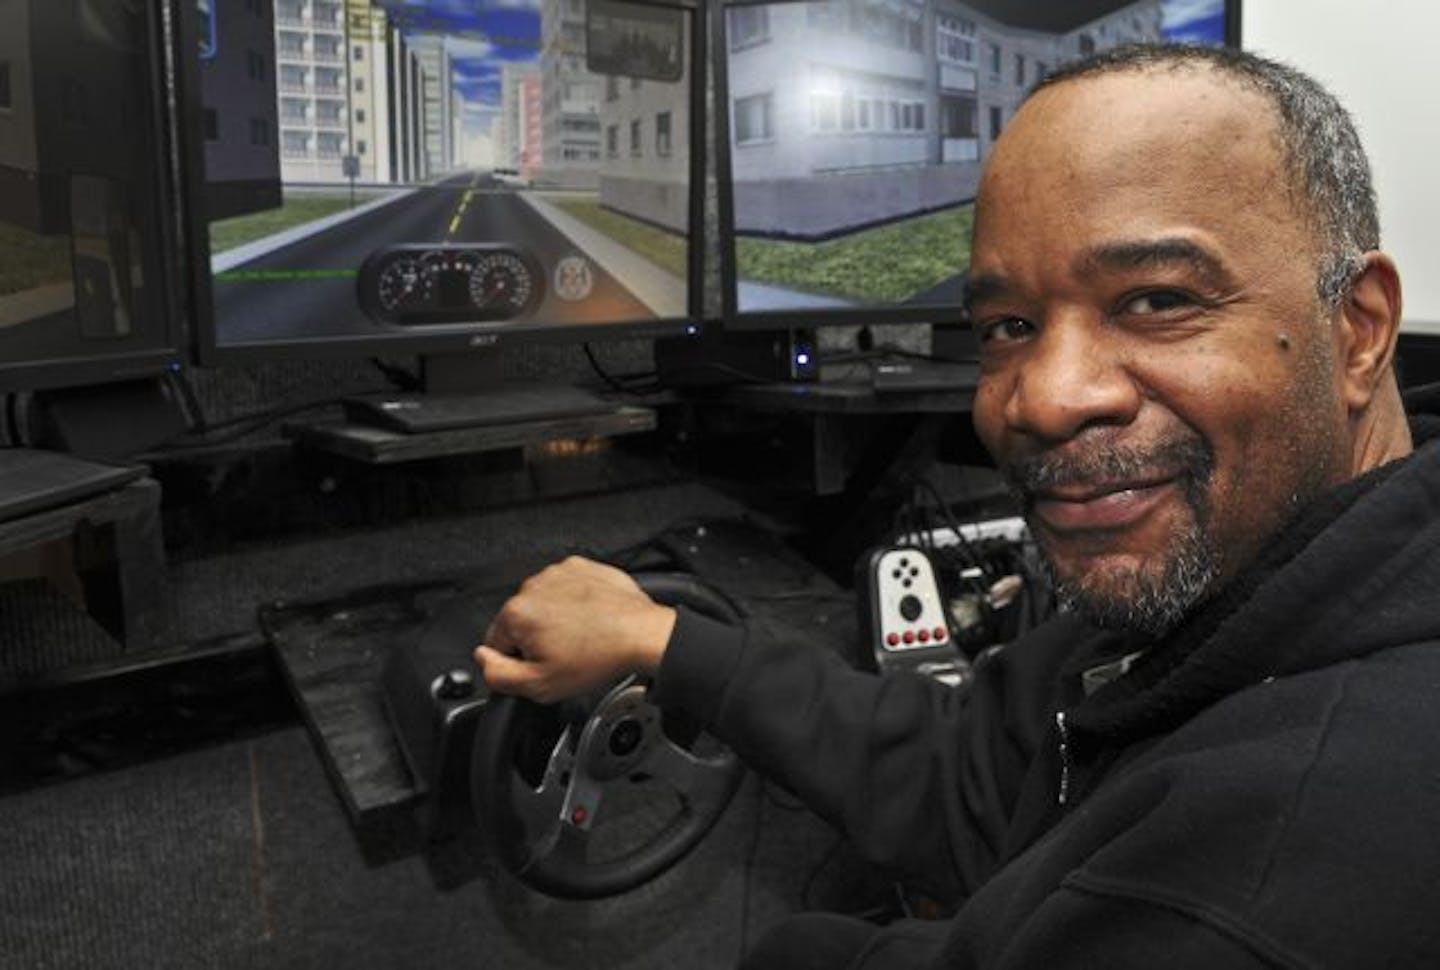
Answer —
(1090, 506)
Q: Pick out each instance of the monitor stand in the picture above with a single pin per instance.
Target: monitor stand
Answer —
(469, 391)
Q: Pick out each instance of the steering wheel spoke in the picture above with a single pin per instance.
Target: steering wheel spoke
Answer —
(688, 773)
(540, 809)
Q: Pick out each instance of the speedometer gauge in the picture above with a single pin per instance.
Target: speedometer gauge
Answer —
(501, 284)
(403, 285)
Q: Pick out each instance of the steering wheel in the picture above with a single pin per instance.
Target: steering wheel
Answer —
(540, 774)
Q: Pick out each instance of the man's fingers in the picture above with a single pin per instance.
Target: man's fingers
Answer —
(507, 675)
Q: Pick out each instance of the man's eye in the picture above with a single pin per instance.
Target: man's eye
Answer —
(1010, 328)
(1156, 301)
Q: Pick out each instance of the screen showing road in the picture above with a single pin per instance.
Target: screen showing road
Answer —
(857, 129)
(445, 168)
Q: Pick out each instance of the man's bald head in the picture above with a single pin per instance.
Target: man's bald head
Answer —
(1329, 172)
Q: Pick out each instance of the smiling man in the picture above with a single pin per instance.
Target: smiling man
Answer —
(1222, 752)
(1187, 329)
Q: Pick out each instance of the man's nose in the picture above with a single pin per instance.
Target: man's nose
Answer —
(1072, 378)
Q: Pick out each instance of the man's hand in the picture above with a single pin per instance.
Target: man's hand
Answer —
(573, 627)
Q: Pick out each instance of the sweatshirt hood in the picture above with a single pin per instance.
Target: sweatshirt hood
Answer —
(1358, 572)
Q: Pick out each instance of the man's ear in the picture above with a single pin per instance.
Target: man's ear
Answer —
(1368, 322)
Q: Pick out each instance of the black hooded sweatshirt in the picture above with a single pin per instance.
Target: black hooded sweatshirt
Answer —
(1260, 790)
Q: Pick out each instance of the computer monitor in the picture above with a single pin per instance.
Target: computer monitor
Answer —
(431, 177)
(86, 291)
(852, 133)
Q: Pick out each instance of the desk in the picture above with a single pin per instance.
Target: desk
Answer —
(118, 555)
(845, 389)
(379, 446)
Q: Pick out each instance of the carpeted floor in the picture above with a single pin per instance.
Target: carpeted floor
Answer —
(240, 856)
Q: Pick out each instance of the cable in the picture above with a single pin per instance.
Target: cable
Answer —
(182, 386)
(615, 381)
(246, 424)
(944, 508)
(403, 380)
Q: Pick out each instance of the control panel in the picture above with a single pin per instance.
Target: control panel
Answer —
(903, 616)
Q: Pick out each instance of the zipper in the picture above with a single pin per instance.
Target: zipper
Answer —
(1063, 795)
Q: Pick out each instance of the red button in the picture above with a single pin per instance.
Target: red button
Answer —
(892, 638)
(924, 636)
(940, 633)
(579, 816)
(909, 636)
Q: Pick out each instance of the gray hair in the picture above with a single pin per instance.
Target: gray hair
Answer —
(1328, 167)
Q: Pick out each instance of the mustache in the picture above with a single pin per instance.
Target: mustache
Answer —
(1189, 458)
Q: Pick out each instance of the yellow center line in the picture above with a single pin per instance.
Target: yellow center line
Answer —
(460, 210)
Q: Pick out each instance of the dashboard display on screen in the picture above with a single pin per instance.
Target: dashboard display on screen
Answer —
(445, 174)
(856, 131)
(83, 246)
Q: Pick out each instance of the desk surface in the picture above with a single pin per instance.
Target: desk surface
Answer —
(846, 388)
(379, 446)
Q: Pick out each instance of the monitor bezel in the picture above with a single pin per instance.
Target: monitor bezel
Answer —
(732, 316)
(97, 367)
(208, 351)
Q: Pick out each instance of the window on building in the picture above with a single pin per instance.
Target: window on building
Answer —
(612, 141)
(994, 59)
(212, 125)
(295, 143)
(958, 116)
(255, 65)
(1041, 69)
(291, 44)
(955, 39)
(662, 133)
(360, 147)
(822, 15)
(259, 131)
(996, 121)
(748, 25)
(1020, 69)
(358, 53)
(360, 115)
(359, 84)
(635, 138)
(824, 111)
(753, 117)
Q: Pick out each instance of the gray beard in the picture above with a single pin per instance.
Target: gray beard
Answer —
(1154, 605)
(1148, 603)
